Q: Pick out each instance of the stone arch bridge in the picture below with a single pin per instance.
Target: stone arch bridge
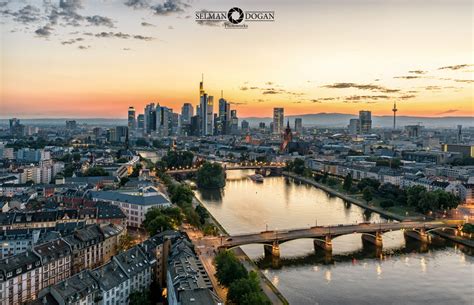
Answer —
(323, 235)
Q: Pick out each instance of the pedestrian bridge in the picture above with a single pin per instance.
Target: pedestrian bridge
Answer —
(323, 235)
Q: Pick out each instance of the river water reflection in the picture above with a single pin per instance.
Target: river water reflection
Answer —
(405, 273)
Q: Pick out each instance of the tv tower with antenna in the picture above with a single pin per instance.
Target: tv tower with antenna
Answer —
(394, 115)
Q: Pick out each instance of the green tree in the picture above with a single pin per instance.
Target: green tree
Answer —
(140, 298)
(246, 291)
(175, 159)
(298, 166)
(468, 228)
(414, 194)
(141, 142)
(136, 170)
(446, 200)
(191, 216)
(210, 229)
(368, 182)
(203, 214)
(428, 202)
(96, 171)
(125, 242)
(210, 175)
(332, 181)
(229, 269)
(367, 194)
(158, 220)
(123, 181)
(387, 203)
(76, 157)
(325, 177)
(181, 194)
(347, 182)
(68, 170)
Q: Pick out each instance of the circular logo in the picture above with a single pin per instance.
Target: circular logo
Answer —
(239, 18)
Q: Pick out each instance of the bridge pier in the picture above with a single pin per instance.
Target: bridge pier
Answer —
(420, 235)
(375, 240)
(272, 250)
(325, 244)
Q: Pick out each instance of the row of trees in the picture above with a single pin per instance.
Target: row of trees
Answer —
(175, 159)
(244, 287)
(181, 195)
(390, 195)
(415, 196)
(96, 171)
(158, 220)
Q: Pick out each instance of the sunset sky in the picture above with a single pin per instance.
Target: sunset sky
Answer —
(94, 58)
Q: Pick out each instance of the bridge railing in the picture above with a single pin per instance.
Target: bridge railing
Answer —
(284, 231)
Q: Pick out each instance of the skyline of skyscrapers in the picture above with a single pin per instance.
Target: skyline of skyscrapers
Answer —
(159, 120)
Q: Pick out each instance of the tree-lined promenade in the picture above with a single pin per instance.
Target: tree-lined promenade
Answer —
(384, 198)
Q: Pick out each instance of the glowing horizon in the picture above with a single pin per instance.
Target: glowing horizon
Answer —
(318, 56)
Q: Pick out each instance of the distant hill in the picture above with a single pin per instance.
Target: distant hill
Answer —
(342, 120)
(309, 120)
(62, 121)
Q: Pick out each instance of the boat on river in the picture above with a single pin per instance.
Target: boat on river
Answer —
(256, 178)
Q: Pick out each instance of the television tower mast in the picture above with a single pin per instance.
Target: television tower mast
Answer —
(394, 114)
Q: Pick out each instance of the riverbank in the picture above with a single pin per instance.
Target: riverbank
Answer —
(348, 198)
(381, 211)
(273, 294)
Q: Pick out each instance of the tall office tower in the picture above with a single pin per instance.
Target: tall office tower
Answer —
(141, 122)
(261, 126)
(459, 137)
(394, 109)
(175, 120)
(234, 122)
(224, 116)
(150, 118)
(121, 134)
(195, 129)
(210, 115)
(207, 115)
(354, 126)
(187, 112)
(245, 126)
(206, 111)
(278, 118)
(299, 126)
(132, 123)
(365, 118)
(163, 120)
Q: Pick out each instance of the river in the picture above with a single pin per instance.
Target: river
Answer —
(404, 273)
